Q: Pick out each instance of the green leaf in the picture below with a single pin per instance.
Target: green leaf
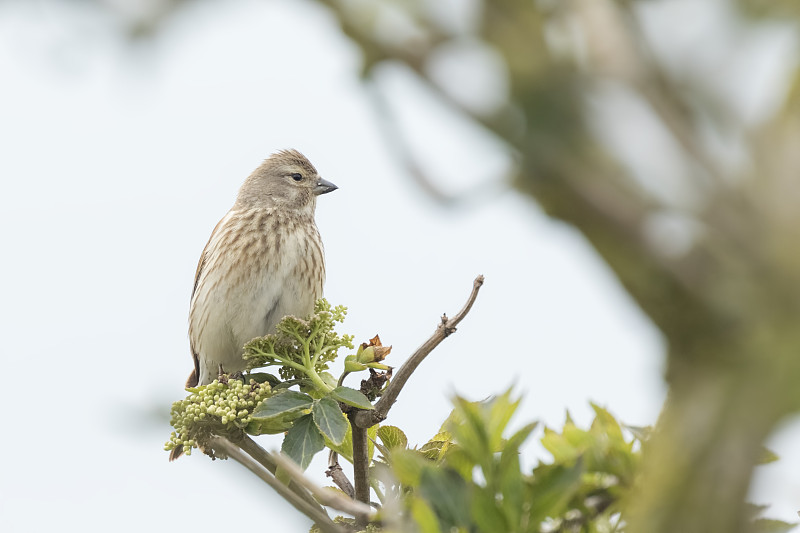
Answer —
(500, 411)
(509, 477)
(560, 448)
(424, 516)
(433, 449)
(487, 513)
(764, 525)
(328, 379)
(351, 397)
(354, 366)
(392, 437)
(330, 420)
(470, 432)
(767, 456)
(272, 426)
(262, 377)
(408, 466)
(553, 488)
(345, 449)
(607, 423)
(282, 404)
(640, 433)
(448, 494)
(303, 441)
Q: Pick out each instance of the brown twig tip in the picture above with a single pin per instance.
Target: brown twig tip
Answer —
(446, 327)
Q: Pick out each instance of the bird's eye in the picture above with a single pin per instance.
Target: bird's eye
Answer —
(297, 177)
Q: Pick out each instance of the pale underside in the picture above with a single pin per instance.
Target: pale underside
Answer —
(247, 280)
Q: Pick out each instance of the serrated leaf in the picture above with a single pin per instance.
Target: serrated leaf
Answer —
(282, 404)
(606, 422)
(433, 449)
(302, 441)
(392, 437)
(351, 397)
(330, 420)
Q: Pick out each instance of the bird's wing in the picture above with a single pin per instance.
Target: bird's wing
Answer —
(194, 377)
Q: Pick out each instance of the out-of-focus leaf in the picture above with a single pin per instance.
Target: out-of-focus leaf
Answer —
(764, 525)
(424, 516)
(487, 513)
(767, 456)
(607, 424)
(407, 466)
(448, 494)
(509, 477)
(500, 410)
(560, 448)
(641, 433)
(552, 489)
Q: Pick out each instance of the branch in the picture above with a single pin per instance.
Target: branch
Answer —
(267, 460)
(338, 476)
(316, 514)
(365, 419)
(360, 465)
(331, 498)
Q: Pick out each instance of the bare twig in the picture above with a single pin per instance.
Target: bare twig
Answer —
(338, 476)
(365, 419)
(360, 465)
(315, 513)
(327, 497)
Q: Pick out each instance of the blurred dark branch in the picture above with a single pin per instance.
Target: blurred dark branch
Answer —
(331, 498)
(312, 511)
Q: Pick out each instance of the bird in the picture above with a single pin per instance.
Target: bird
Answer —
(263, 261)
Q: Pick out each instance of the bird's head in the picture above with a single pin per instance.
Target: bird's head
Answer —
(286, 179)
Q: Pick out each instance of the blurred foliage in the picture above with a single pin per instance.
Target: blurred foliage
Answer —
(708, 248)
(468, 477)
(704, 236)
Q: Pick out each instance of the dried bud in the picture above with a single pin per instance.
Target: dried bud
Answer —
(372, 352)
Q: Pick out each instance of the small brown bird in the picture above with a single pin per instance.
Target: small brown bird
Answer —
(264, 261)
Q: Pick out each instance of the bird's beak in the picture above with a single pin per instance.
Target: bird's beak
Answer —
(324, 186)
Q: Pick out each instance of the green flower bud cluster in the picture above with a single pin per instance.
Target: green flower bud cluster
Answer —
(301, 347)
(219, 407)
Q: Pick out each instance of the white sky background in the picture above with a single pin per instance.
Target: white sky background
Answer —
(118, 160)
